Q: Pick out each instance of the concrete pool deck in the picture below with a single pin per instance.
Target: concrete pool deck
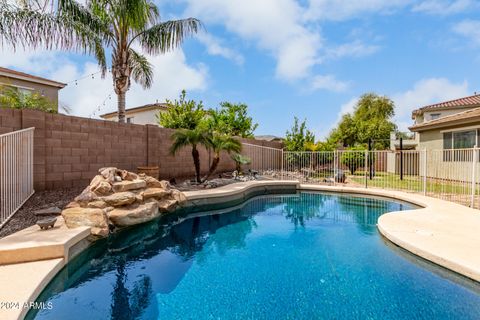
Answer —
(442, 232)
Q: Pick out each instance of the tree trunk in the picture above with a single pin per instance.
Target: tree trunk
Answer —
(121, 78)
(121, 106)
(196, 162)
(213, 167)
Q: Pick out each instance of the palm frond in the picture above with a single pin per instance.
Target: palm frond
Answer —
(180, 140)
(221, 142)
(77, 12)
(142, 69)
(27, 28)
(166, 36)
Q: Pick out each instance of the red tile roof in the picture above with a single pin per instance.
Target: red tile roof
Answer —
(17, 74)
(462, 118)
(471, 101)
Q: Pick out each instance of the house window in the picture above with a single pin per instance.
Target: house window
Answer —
(130, 120)
(25, 92)
(453, 142)
(434, 116)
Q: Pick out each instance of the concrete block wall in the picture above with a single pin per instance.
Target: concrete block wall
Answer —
(68, 151)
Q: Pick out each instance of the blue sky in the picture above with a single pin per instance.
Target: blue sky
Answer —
(306, 58)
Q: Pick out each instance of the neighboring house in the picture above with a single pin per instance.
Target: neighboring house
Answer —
(146, 114)
(444, 128)
(27, 84)
(448, 125)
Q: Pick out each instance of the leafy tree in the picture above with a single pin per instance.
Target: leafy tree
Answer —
(319, 146)
(371, 119)
(182, 114)
(190, 137)
(117, 26)
(298, 137)
(233, 120)
(12, 98)
(345, 132)
(353, 158)
(218, 142)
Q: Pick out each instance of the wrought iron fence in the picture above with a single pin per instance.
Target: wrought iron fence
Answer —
(452, 175)
(16, 171)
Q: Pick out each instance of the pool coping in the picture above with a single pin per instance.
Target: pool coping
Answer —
(422, 232)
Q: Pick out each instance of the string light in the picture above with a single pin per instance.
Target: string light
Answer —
(91, 75)
(101, 105)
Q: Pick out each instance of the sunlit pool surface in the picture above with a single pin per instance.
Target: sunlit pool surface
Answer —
(302, 256)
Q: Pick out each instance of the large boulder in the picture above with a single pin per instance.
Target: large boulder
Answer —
(100, 186)
(157, 193)
(151, 182)
(127, 175)
(108, 173)
(167, 205)
(99, 204)
(120, 199)
(129, 185)
(179, 196)
(86, 196)
(91, 217)
(132, 215)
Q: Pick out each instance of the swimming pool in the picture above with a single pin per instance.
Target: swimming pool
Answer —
(298, 256)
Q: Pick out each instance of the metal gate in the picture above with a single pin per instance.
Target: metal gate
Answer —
(16, 171)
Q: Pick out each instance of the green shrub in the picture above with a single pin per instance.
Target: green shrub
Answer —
(353, 158)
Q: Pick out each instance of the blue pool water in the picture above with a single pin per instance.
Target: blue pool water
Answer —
(301, 256)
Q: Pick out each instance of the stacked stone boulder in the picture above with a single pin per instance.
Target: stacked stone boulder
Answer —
(118, 198)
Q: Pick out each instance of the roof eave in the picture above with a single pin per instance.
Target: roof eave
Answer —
(46, 82)
(133, 110)
(426, 127)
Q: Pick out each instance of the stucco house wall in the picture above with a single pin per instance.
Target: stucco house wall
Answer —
(141, 117)
(427, 116)
(430, 140)
(30, 83)
(50, 92)
(146, 114)
(438, 165)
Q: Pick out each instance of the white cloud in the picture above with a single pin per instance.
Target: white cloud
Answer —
(276, 26)
(443, 7)
(172, 73)
(469, 29)
(328, 82)
(425, 92)
(353, 49)
(216, 48)
(343, 10)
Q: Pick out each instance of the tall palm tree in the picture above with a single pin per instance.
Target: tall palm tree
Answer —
(120, 26)
(194, 138)
(217, 143)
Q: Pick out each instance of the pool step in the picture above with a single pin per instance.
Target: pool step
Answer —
(33, 244)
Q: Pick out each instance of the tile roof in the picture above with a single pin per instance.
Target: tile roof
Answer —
(17, 74)
(140, 108)
(465, 117)
(470, 101)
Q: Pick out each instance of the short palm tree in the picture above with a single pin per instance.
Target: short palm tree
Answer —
(194, 138)
(217, 143)
(120, 26)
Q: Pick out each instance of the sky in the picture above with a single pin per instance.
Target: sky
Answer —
(283, 58)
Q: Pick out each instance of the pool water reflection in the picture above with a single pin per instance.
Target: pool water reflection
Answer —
(302, 256)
